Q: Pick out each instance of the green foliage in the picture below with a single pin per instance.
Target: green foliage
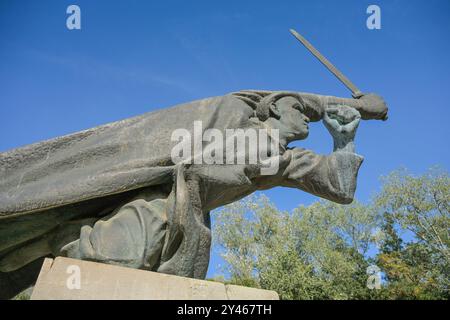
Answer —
(316, 252)
(420, 205)
(419, 269)
(24, 295)
(322, 251)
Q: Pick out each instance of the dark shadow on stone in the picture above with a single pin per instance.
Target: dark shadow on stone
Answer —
(14, 282)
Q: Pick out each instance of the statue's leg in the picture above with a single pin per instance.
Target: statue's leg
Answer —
(47, 244)
(166, 235)
(131, 236)
(187, 244)
(204, 248)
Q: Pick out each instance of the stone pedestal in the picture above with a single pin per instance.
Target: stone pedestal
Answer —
(70, 279)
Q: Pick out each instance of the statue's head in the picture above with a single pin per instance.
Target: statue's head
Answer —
(288, 114)
(282, 110)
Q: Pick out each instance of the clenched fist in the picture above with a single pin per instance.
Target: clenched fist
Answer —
(342, 122)
(373, 107)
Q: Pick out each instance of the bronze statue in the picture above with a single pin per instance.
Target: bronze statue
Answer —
(114, 193)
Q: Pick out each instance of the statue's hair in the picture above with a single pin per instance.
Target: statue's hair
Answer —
(261, 101)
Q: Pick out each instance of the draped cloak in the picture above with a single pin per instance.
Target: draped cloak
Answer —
(82, 177)
(47, 183)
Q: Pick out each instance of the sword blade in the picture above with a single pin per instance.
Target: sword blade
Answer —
(356, 93)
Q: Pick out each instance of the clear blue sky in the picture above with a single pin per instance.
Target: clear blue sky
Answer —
(131, 57)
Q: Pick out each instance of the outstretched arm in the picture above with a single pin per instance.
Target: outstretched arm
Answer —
(370, 106)
(334, 176)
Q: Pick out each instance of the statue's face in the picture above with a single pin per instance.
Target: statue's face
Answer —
(293, 123)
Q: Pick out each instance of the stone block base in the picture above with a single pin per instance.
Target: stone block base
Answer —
(70, 279)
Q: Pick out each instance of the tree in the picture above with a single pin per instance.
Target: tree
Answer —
(317, 252)
(322, 251)
(420, 205)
